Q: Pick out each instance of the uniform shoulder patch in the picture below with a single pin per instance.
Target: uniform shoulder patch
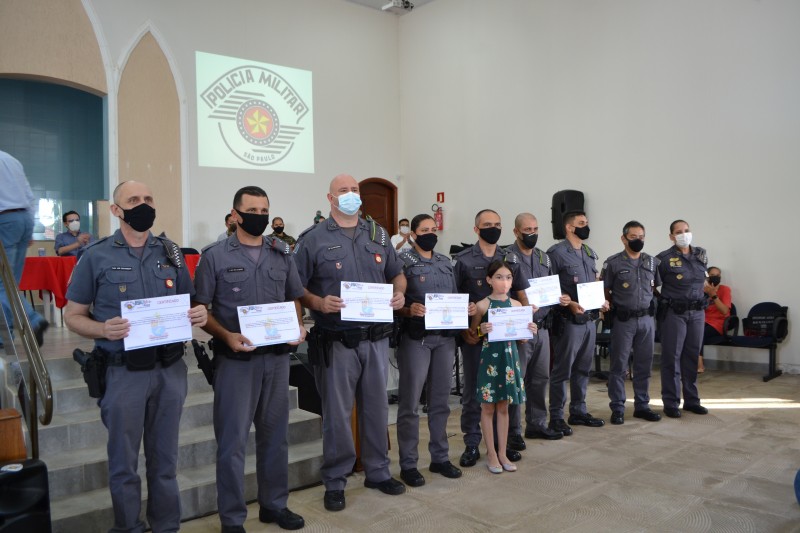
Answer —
(172, 251)
(278, 245)
(209, 246)
(510, 257)
(408, 258)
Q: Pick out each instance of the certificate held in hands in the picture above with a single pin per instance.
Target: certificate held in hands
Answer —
(446, 311)
(510, 323)
(367, 302)
(268, 324)
(591, 295)
(157, 321)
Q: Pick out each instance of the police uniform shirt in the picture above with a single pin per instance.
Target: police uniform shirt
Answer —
(228, 277)
(683, 276)
(67, 238)
(109, 272)
(631, 281)
(326, 256)
(573, 266)
(434, 275)
(471, 269)
(536, 265)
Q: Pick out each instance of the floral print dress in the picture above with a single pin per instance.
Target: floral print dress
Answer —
(499, 375)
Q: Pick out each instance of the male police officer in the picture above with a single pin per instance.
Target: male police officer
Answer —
(470, 272)
(251, 385)
(681, 315)
(629, 278)
(574, 328)
(145, 388)
(351, 357)
(534, 355)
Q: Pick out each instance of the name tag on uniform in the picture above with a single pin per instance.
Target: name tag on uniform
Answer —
(121, 268)
(236, 269)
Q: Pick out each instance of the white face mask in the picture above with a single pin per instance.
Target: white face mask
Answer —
(683, 240)
(75, 225)
(404, 230)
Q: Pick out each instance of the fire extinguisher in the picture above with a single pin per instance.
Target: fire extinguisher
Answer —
(438, 216)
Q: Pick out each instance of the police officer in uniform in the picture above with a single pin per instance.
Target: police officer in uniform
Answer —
(681, 317)
(574, 327)
(251, 385)
(534, 355)
(424, 355)
(470, 272)
(145, 388)
(629, 278)
(351, 358)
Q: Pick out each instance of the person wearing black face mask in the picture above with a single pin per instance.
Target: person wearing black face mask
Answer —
(424, 355)
(250, 383)
(629, 278)
(470, 273)
(145, 388)
(534, 355)
(574, 330)
(279, 231)
(719, 308)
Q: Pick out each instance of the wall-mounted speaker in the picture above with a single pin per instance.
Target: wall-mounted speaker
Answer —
(564, 202)
(24, 497)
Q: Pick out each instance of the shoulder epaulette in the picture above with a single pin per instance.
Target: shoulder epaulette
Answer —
(441, 257)
(544, 259)
(95, 243)
(510, 257)
(377, 234)
(591, 253)
(172, 251)
(464, 251)
(701, 254)
(408, 258)
(209, 246)
(278, 245)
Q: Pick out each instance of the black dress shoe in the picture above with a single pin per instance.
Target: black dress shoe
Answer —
(542, 433)
(648, 414)
(38, 331)
(334, 500)
(470, 456)
(513, 455)
(233, 529)
(672, 412)
(516, 442)
(389, 486)
(412, 477)
(284, 518)
(560, 426)
(446, 469)
(617, 418)
(696, 409)
(586, 419)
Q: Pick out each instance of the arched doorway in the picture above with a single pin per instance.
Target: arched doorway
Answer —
(379, 200)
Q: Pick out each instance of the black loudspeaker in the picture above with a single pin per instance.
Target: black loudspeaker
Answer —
(24, 498)
(564, 202)
(302, 377)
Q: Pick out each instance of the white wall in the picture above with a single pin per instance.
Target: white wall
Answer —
(656, 110)
(351, 51)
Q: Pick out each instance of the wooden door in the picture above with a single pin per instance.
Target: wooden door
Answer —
(379, 200)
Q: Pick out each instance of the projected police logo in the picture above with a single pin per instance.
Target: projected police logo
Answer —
(253, 115)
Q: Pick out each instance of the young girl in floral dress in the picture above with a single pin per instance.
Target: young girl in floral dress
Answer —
(499, 375)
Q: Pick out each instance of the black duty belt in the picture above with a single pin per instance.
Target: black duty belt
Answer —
(681, 306)
(627, 314)
(415, 329)
(583, 318)
(144, 358)
(352, 337)
(221, 348)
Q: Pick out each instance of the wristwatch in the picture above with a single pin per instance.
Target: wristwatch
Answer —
(713, 298)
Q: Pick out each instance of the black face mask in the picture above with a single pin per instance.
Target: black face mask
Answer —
(529, 240)
(278, 229)
(427, 241)
(253, 224)
(490, 235)
(715, 280)
(636, 245)
(582, 233)
(140, 218)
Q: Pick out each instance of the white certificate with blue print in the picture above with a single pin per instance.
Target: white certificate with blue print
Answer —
(510, 323)
(367, 302)
(446, 311)
(544, 291)
(591, 295)
(157, 321)
(269, 323)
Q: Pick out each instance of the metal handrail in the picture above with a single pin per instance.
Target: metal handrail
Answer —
(38, 373)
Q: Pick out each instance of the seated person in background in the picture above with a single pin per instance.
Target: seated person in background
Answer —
(719, 308)
(400, 241)
(72, 241)
(279, 229)
(230, 226)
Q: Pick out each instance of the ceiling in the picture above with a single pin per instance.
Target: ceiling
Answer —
(378, 4)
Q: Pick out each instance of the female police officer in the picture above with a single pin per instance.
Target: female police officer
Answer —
(424, 354)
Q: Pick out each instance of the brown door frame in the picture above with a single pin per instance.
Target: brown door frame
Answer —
(380, 181)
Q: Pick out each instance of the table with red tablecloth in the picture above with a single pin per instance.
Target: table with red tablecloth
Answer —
(49, 274)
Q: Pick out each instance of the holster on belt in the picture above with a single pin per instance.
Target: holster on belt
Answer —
(93, 368)
(318, 348)
(204, 362)
(414, 329)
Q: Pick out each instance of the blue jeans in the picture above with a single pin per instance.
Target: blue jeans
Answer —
(16, 229)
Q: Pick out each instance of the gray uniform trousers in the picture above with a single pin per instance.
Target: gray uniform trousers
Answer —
(573, 354)
(470, 407)
(429, 359)
(681, 338)
(635, 334)
(534, 360)
(148, 402)
(251, 392)
(359, 374)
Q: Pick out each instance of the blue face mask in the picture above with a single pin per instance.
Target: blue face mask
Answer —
(349, 203)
